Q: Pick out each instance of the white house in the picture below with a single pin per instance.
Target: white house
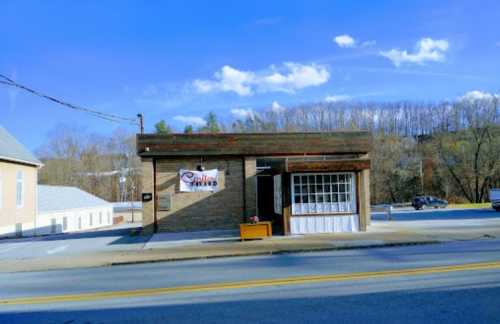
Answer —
(69, 209)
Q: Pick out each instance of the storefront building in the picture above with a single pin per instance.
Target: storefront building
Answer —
(301, 182)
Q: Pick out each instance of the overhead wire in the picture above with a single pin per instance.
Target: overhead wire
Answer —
(106, 116)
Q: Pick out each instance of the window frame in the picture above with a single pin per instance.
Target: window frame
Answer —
(19, 192)
(318, 190)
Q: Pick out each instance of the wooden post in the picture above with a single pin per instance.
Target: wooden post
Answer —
(286, 203)
(364, 199)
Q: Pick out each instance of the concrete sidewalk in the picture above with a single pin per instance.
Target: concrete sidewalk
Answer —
(185, 246)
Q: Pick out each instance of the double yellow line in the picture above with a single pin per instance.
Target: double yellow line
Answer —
(248, 284)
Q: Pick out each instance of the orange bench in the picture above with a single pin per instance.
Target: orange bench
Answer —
(259, 230)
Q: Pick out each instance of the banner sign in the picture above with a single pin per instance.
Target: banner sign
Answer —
(194, 181)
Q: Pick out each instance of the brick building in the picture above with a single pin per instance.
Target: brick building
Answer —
(302, 182)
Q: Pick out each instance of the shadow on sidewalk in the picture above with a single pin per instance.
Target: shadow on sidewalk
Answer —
(97, 233)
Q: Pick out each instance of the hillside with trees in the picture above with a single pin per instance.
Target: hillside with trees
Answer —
(447, 149)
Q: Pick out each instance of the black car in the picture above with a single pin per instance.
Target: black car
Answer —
(421, 202)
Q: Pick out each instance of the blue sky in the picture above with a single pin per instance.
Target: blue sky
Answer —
(178, 60)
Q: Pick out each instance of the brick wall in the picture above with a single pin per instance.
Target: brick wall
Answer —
(191, 211)
(148, 207)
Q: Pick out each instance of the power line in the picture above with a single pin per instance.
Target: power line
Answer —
(95, 113)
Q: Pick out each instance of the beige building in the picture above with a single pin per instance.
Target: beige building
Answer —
(300, 182)
(18, 187)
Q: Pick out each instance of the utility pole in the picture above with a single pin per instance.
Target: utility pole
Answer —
(141, 122)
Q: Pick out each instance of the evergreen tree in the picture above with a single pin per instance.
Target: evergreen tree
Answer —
(188, 129)
(212, 124)
(162, 128)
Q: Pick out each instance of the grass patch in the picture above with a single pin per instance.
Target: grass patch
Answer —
(471, 205)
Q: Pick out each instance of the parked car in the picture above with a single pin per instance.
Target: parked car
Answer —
(421, 202)
(495, 199)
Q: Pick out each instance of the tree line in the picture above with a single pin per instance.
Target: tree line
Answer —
(446, 149)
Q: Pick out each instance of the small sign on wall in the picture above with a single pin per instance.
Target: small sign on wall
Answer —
(147, 196)
(195, 181)
(164, 201)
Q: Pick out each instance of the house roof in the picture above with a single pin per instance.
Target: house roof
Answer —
(12, 150)
(255, 144)
(58, 198)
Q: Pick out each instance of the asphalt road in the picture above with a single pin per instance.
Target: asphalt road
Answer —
(414, 284)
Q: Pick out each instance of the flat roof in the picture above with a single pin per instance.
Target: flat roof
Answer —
(61, 198)
(255, 144)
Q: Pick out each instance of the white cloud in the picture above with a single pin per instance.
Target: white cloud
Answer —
(337, 98)
(290, 77)
(243, 113)
(191, 120)
(227, 79)
(427, 49)
(347, 41)
(296, 76)
(344, 41)
(277, 108)
(478, 95)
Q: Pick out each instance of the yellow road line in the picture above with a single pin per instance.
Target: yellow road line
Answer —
(248, 284)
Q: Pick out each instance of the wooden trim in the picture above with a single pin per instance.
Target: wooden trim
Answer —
(358, 204)
(357, 184)
(286, 202)
(155, 199)
(247, 144)
(244, 166)
(327, 166)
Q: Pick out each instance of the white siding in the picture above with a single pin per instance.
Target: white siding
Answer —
(72, 216)
(28, 229)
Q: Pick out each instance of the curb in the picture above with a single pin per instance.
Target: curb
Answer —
(278, 252)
